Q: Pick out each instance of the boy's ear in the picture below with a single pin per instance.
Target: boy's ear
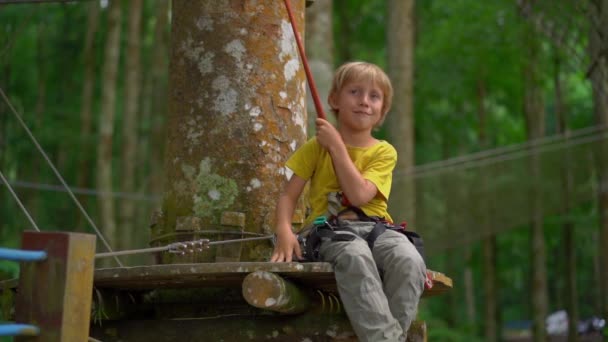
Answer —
(331, 99)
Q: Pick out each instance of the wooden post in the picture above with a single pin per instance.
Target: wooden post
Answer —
(55, 294)
(266, 290)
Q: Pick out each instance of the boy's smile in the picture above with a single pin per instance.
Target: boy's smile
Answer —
(359, 105)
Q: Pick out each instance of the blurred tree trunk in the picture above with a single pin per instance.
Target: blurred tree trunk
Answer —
(343, 31)
(455, 196)
(106, 123)
(31, 171)
(320, 53)
(491, 320)
(84, 177)
(535, 125)
(130, 122)
(570, 293)
(469, 287)
(400, 121)
(598, 47)
(154, 111)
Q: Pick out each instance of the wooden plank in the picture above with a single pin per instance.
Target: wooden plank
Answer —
(315, 275)
(55, 294)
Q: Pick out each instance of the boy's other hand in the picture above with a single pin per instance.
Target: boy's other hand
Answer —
(287, 245)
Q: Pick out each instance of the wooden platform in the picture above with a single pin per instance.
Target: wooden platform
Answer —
(316, 275)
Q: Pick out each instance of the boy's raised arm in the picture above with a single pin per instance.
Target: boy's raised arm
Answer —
(287, 243)
(357, 189)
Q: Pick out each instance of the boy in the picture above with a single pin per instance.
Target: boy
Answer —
(379, 286)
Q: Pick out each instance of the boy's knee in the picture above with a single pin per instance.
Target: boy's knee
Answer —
(352, 252)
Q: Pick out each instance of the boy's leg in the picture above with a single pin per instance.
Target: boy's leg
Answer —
(404, 274)
(360, 289)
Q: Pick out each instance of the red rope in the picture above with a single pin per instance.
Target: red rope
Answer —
(311, 81)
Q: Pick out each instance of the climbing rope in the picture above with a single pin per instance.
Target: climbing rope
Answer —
(50, 163)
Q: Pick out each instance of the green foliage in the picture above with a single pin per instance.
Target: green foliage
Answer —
(8, 270)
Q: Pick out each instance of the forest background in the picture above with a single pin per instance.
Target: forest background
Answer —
(499, 118)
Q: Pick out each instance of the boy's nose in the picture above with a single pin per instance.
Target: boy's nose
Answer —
(364, 99)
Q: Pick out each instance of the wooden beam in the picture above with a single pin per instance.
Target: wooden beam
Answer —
(55, 294)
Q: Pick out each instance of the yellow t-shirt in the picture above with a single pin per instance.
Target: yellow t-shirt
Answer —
(376, 163)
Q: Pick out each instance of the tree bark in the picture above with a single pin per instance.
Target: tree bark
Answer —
(237, 111)
(400, 120)
(598, 47)
(106, 123)
(129, 129)
(535, 126)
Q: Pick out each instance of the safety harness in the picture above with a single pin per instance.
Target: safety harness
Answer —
(332, 229)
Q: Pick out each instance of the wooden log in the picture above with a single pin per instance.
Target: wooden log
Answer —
(55, 294)
(266, 290)
(417, 332)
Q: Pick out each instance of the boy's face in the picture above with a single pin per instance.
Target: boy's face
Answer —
(359, 105)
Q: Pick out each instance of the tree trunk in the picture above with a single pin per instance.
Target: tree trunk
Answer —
(469, 285)
(320, 53)
(31, 170)
(570, 293)
(491, 320)
(343, 32)
(598, 45)
(154, 107)
(84, 177)
(106, 123)
(400, 121)
(236, 104)
(129, 132)
(535, 126)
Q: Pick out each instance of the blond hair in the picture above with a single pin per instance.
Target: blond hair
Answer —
(363, 71)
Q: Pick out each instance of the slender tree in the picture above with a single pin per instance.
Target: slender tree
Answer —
(570, 291)
(84, 176)
(598, 71)
(155, 115)
(129, 129)
(535, 125)
(106, 121)
(320, 53)
(491, 320)
(400, 122)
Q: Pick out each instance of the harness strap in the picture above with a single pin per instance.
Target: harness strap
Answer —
(320, 233)
(379, 229)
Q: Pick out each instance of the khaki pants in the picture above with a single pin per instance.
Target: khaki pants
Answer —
(380, 289)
